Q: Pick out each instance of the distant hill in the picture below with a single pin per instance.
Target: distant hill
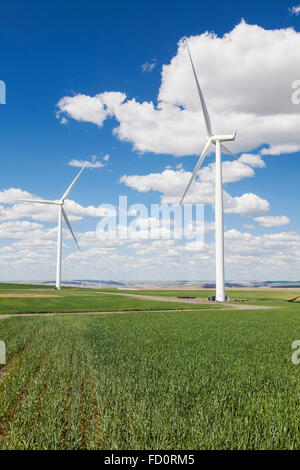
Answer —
(176, 284)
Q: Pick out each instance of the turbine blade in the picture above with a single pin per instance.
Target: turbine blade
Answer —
(226, 150)
(203, 105)
(69, 227)
(197, 167)
(72, 184)
(43, 201)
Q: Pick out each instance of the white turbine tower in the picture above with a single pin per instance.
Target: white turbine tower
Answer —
(61, 213)
(219, 224)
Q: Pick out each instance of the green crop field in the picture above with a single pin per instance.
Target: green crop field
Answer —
(198, 379)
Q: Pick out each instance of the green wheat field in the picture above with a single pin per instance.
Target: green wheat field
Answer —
(202, 378)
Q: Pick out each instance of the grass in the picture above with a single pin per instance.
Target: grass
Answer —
(169, 380)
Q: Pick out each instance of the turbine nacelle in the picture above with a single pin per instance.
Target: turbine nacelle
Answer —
(222, 138)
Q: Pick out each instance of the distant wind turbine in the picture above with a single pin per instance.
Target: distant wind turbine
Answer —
(219, 223)
(61, 213)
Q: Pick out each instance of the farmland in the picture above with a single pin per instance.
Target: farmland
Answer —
(41, 299)
(197, 379)
(251, 296)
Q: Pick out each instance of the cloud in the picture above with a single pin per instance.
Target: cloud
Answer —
(248, 204)
(272, 221)
(247, 257)
(240, 73)
(231, 171)
(267, 250)
(83, 108)
(9, 196)
(148, 66)
(18, 229)
(81, 163)
(43, 212)
(89, 109)
(255, 161)
(173, 183)
(95, 163)
(295, 10)
(279, 149)
(267, 256)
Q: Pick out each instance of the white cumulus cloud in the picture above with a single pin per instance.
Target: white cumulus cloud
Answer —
(279, 149)
(295, 10)
(12, 210)
(94, 163)
(173, 183)
(255, 161)
(246, 77)
(272, 221)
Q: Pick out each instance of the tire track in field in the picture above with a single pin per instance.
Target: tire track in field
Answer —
(67, 414)
(228, 308)
(92, 430)
(3, 372)
(95, 412)
(81, 372)
(89, 411)
(83, 414)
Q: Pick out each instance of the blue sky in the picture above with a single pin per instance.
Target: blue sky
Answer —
(55, 51)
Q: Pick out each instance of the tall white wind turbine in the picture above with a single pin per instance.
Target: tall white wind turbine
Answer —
(61, 214)
(219, 223)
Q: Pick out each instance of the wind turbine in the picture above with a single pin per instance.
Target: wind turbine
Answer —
(217, 140)
(61, 214)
